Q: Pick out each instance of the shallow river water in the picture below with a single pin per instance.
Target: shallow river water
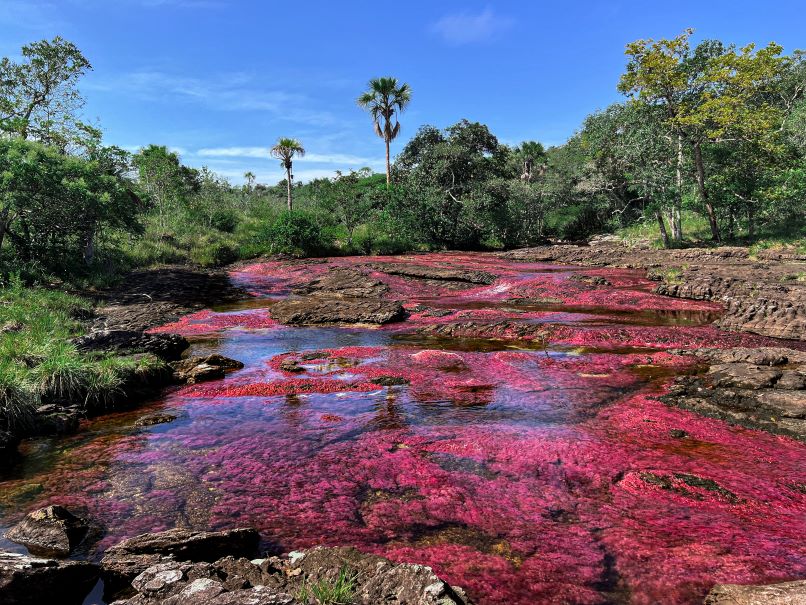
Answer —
(526, 465)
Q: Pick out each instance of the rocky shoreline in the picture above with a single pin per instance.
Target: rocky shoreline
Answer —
(182, 567)
(765, 294)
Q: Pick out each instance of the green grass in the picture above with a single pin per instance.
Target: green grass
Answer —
(39, 364)
(340, 591)
(695, 229)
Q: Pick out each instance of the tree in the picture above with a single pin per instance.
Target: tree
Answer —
(531, 155)
(54, 205)
(39, 97)
(249, 177)
(712, 94)
(384, 100)
(285, 150)
(164, 179)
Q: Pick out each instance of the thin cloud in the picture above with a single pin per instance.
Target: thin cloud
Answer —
(224, 92)
(469, 28)
(263, 152)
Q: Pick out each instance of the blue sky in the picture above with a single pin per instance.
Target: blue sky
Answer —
(220, 80)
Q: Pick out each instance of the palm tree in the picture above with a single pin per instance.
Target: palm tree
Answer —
(249, 176)
(384, 99)
(285, 150)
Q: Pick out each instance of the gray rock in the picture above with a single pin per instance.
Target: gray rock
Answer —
(199, 369)
(31, 581)
(52, 531)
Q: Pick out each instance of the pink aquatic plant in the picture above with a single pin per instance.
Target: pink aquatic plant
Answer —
(507, 434)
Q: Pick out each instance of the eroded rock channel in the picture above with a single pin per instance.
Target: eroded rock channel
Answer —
(534, 433)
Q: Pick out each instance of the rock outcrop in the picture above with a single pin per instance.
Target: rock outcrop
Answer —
(435, 273)
(125, 561)
(52, 532)
(764, 294)
(165, 346)
(763, 388)
(335, 310)
(28, 580)
(367, 579)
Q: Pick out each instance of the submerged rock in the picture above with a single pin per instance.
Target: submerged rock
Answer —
(32, 581)
(52, 531)
(784, 593)
(202, 368)
(125, 561)
(325, 310)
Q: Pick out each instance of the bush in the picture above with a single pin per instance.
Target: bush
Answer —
(295, 233)
(224, 220)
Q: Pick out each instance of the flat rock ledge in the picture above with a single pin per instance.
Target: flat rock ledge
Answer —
(784, 593)
(336, 310)
(762, 388)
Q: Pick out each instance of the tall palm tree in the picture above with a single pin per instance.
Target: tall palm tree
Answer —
(384, 100)
(285, 150)
(249, 176)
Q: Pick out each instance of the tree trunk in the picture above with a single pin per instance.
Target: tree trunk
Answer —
(662, 226)
(704, 194)
(677, 226)
(3, 225)
(751, 227)
(388, 165)
(288, 183)
(89, 246)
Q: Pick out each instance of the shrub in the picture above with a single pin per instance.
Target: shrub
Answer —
(294, 233)
(224, 220)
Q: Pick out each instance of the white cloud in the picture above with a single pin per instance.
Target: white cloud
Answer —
(263, 152)
(467, 28)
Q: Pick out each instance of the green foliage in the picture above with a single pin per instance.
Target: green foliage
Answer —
(295, 233)
(340, 591)
(38, 363)
(39, 96)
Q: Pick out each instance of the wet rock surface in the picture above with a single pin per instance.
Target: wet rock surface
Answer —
(52, 532)
(762, 388)
(288, 581)
(783, 593)
(202, 368)
(125, 561)
(760, 294)
(28, 580)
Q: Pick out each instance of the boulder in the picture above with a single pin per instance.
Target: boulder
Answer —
(335, 310)
(784, 593)
(744, 375)
(154, 419)
(165, 346)
(199, 369)
(125, 561)
(28, 580)
(52, 531)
